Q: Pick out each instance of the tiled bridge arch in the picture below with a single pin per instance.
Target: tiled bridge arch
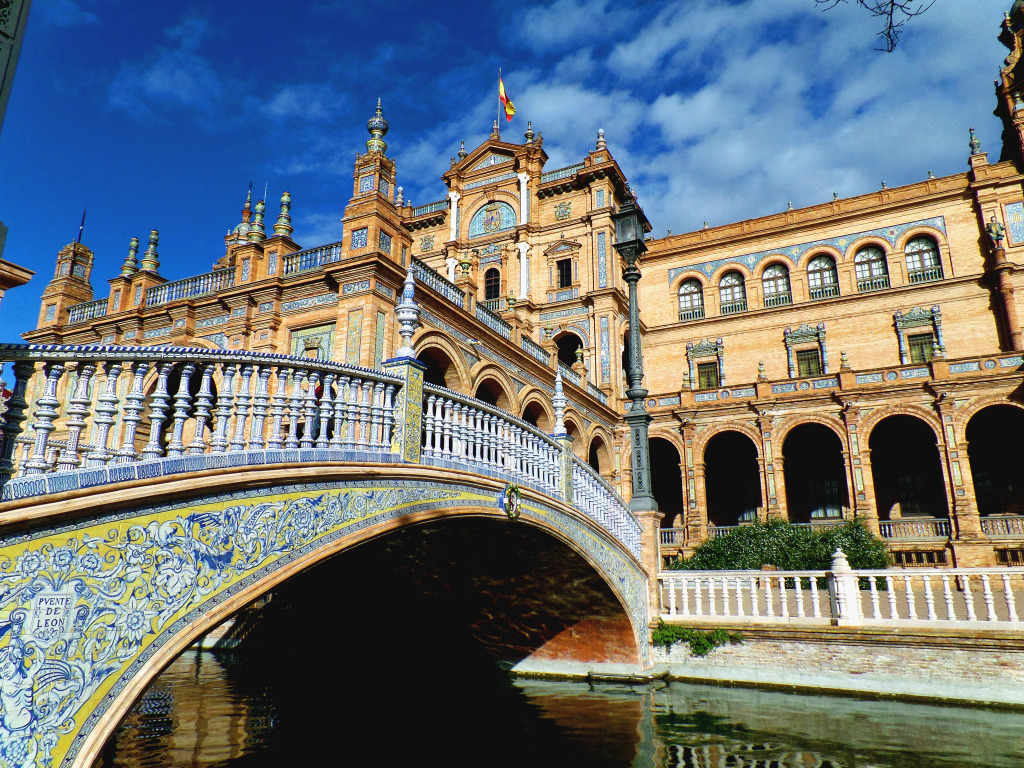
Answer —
(107, 572)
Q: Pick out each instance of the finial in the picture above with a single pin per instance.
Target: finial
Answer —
(529, 132)
(883, 185)
(761, 375)
(835, 195)
(931, 175)
(453, 162)
(495, 131)
(399, 197)
(462, 151)
(844, 361)
(559, 401)
(705, 223)
(151, 259)
(790, 207)
(131, 263)
(378, 128)
(974, 144)
(839, 561)
(256, 231)
(283, 226)
(600, 139)
(407, 312)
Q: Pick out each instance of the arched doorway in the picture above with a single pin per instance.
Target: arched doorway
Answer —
(597, 457)
(815, 474)
(667, 481)
(906, 469)
(997, 459)
(732, 482)
(441, 371)
(567, 345)
(490, 391)
(535, 414)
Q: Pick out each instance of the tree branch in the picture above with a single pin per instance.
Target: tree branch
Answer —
(893, 13)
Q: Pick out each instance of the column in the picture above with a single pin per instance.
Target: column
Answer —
(964, 508)
(524, 270)
(524, 198)
(858, 472)
(769, 477)
(453, 215)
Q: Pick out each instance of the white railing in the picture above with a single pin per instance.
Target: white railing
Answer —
(92, 412)
(303, 261)
(934, 597)
(440, 205)
(930, 528)
(593, 496)
(430, 278)
(88, 310)
(675, 536)
(561, 173)
(190, 287)
(460, 430)
(1002, 526)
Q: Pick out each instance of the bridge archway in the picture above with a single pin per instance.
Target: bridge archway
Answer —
(154, 578)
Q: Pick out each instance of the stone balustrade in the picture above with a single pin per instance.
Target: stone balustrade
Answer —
(909, 528)
(593, 495)
(935, 597)
(312, 258)
(88, 310)
(1002, 526)
(190, 287)
(433, 280)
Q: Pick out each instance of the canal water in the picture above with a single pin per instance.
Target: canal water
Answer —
(249, 710)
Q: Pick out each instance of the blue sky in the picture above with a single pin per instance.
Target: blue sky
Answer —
(157, 115)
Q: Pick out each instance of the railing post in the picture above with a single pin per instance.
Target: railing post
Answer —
(14, 418)
(408, 403)
(844, 592)
(559, 401)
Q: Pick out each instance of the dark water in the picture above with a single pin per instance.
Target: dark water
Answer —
(248, 710)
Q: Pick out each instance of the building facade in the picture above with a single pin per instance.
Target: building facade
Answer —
(857, 359)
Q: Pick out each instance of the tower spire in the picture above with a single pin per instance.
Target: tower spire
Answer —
(131, 262)
(378, 128)
(151, 259)
(284, 218)
(256, 231)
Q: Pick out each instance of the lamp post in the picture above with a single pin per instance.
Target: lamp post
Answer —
(629, 242)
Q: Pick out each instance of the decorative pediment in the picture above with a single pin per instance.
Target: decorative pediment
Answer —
(562, 247)
(704, 348)
(805, 333)
(492, 159)
(917, 317)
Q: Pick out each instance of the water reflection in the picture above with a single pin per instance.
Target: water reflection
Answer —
(205, 711)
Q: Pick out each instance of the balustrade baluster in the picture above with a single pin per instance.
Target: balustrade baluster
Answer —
(783, 598)
(815, 598)
(278, 404)
(428, 426)
(908, 591)
(311, 380)
(364, 416)
(755, 610)
(242, 409)
(725, 596)
(13, 419)
(671, 585)
(948, 597)
(890, 589)
(990, 602)
(376, 415)
(446, 450)
(106, 407)
(78, 409)
(326, 408)
(439, 407)
(46, 413)
(698, 598)
(929, 598)
(259, 409)
(352, 414)
(876, 611)
(341, 398)
(968, 597)
(712, 597)
(769, 608)
(225, 399)
(799, 597)
(480, 436)
(740, 610)
(182, 403)
(389, 417)
(458, 442)
(685, 594)
(294, 409)
(1011, 607)
(204, 406)
(135, 404)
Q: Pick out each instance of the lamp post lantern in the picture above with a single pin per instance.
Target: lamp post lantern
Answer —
(629, 242)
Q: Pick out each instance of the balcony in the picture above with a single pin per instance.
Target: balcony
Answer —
(734, 307)
(88, 310)
(824, 292)
(926, 275)
(778, 299)
(1002, 526)
(925, 528)
(494, 305)
(190, 287)
(691, 314)
(873, 284)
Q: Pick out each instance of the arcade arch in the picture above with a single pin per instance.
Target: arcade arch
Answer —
(997, 456)
(906, 468)
(732, 483)
(815, 474)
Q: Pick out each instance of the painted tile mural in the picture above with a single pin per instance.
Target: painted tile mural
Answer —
(378, 340)
(322, 336)
(355, 337)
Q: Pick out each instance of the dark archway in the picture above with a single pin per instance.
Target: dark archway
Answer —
(490, 391)
(534, 414)
(576, 436)
(597, 457)
(667, 481)
(567, 344)
(815, 474)
(441, 371)
(996, 451)
(732, 479)
(907, 470)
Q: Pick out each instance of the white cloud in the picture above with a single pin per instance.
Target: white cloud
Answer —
(63, 13)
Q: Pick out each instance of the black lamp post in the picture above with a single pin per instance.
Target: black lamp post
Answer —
(629, 242)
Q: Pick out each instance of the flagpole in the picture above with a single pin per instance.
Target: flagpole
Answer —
(499, 100)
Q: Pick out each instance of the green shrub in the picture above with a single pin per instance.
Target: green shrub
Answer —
(701, 642)
(788, 547)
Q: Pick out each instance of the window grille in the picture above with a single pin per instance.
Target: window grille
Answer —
(707, 375)
(808, 362)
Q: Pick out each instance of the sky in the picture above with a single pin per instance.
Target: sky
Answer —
(158, 115)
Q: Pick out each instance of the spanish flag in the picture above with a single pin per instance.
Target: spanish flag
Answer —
(506, 102)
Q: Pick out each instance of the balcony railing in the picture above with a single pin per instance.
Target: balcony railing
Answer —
(420, 210)
(931, 528)
(734, 307)
(778, 299)
(88, 310)
(873, 284)
(595, 392)
(433, 280)
(303, 261)
(494, 305)
(676, 536)
(190, 287)
(925, 275)
(493, 322)
(1002, 526)
(824, 292)
(561, 173)
(569, 373)
(535, 349)
(691, 314)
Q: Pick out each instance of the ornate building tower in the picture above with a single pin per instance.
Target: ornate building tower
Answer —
(1010, 86)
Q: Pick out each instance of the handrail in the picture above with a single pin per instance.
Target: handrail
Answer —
(431, 278)
(87, 310)
(561, 173)
(535, 349)
(492, 321)
(190, 287)
(440, 205)
(311, 258)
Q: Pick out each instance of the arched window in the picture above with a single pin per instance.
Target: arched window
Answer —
(872, 270)
(492, 285)
(923, 264)
(822, 279)
(775, 282)
(691, 300)
(732, 293)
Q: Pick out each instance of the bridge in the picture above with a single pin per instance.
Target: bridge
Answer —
(149, 493)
